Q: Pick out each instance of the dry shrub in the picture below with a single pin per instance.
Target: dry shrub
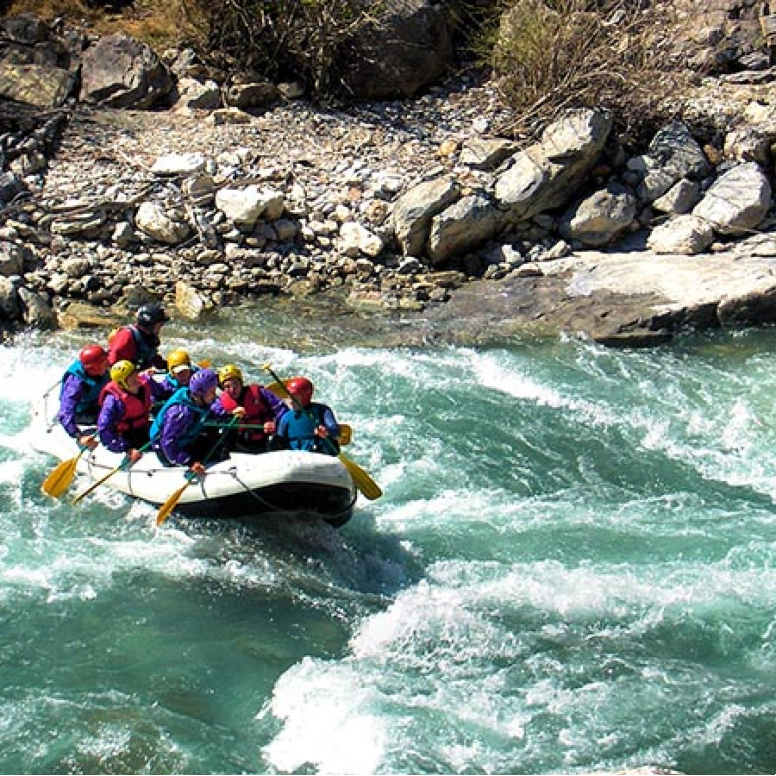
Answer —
(160, 23)
(277, 38)
(51, 9)
(550, 55)
(280, 38)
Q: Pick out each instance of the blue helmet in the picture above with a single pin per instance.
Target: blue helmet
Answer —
(202, 381)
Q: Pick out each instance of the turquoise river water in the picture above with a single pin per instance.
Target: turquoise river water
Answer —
(573, 569)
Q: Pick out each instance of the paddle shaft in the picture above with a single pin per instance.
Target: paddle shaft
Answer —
(169, 505)
(123, 465)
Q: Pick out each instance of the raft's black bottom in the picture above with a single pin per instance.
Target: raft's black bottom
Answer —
(334, 505)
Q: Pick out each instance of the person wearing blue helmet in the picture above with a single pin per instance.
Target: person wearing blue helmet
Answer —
(186, 430)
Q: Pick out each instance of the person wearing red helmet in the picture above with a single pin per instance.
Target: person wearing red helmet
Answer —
(308, 425)
(80, 392)
(181, 434)
(139, 342)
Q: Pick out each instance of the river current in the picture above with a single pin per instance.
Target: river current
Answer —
(573, 569)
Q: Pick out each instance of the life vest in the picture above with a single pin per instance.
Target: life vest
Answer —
(300, 428)
(181, 396)
(93, 386)
(137, 407)
(257, 413)
(146, 345)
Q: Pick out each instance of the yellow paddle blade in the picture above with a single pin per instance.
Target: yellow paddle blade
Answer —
(59, 480)
(346, 434)
(368, 487)
(170, 504)
(279, 389)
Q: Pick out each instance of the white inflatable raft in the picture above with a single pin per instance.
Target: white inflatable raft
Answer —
(243, 485)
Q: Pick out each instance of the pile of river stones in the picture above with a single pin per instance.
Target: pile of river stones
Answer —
(392, 204)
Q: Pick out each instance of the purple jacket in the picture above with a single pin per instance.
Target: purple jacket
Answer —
(179, 429)
(111, 413)
(72, 403)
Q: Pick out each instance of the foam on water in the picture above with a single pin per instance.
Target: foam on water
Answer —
(573, 568)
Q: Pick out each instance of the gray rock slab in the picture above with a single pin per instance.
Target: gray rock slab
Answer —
(633, 298)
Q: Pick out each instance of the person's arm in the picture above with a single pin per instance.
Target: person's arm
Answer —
(176, 422)
(330, 422)
(218, 411)
(276, 406)
(111, 413)
(161, 389)
(70, 396)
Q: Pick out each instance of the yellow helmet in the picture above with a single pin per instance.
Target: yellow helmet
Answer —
(120, 371)
(178, 357)
(228, 372)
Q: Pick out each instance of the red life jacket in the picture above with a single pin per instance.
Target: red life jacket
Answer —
(257, 413)
(137, 407)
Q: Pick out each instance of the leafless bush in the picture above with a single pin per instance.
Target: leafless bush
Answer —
(550, 55)
(280, 38)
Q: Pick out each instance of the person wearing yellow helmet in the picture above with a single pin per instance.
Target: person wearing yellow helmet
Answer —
(125, 411)
(176, 358)
(263, 410)
(229, 372)
(179, 372)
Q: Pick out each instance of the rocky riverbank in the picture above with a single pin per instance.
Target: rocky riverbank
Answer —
(422, 206)
(308, 173)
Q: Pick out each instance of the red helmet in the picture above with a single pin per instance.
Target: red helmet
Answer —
(93, 359)
(302, 389)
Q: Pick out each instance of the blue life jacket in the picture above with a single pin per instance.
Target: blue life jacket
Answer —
(181, 396)
(300, 425)
(88, 402)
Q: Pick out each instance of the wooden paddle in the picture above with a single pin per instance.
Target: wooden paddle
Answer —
(172, 501)
(368, 487)
(77, 499)
(62, 476)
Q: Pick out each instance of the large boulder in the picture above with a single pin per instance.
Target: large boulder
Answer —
(409, 46)
(545, 175)
(40, 85)
(121, 72)
(737, 201)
